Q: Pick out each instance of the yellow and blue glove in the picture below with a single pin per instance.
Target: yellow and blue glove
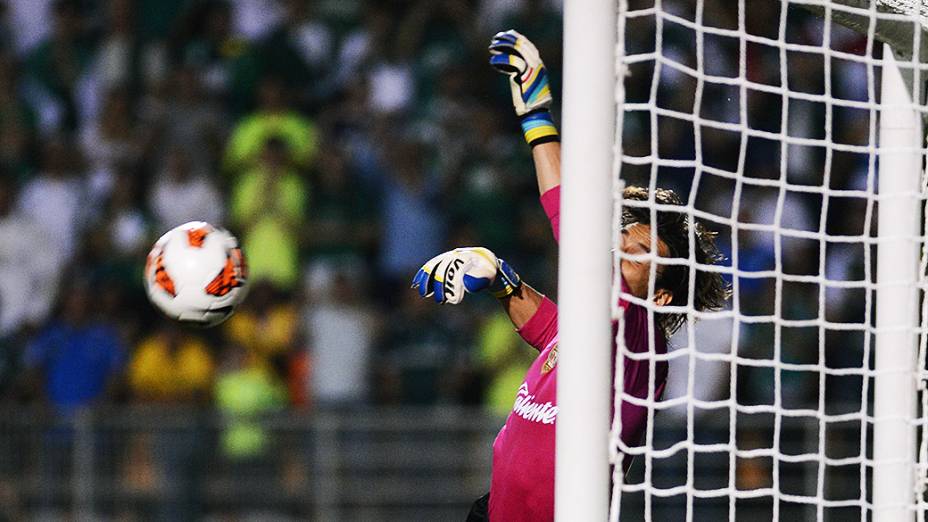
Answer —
(448, 276)
(516, 56)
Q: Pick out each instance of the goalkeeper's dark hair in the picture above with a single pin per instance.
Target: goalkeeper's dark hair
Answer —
(673, 228)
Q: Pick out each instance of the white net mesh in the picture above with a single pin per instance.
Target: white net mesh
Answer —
(763, 115)
(907, 7)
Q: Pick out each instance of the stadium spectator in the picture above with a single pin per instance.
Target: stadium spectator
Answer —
(536, 253)
(419, 347)
(171, 366)
(359, 46)
(111, 142)
(27, 24)
(207, 43)
(77, 360)
(488, 192)
(269, 206)
(10, 367)
(393, 75)
(119, 51)
(340, 336)
(182, 193)
(125, 225)
(411, 221)
(245, 390)
(275, 118)
(342, 225)
(253, 19)
(18, 122)
(28, 266)
(71, 365)
(504, 359)
(301, 51)
(55, 198)
(61, 62)
(430, 37)
(182, 114)
(267, 327)
(112, 256)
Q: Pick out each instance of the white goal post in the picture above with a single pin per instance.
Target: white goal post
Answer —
(583, 396)
(895, 382)
(794, 129)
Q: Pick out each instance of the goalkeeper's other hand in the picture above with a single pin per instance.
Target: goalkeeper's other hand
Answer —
(516, 56)
(448, 276)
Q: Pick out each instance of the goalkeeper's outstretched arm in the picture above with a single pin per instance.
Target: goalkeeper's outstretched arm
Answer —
(516, 56)
(547, 157)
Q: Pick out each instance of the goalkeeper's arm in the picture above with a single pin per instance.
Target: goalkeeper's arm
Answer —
(547, 157)
(515, 56)
(522, 305)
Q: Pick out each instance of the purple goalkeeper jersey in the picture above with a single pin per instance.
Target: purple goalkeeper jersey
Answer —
(522, 483)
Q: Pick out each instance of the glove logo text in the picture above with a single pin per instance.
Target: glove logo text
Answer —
(453, 268)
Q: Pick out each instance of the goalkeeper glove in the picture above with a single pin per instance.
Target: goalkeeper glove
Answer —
(448, 276)
(516, 56)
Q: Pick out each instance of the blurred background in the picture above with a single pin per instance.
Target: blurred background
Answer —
(345, 142)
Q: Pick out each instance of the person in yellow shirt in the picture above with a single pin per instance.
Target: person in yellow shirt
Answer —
(171, 366)
(267, 326)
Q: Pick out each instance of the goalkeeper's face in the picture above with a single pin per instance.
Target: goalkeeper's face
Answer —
(636, 240)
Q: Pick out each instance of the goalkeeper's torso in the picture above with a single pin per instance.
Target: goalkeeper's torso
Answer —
(522, 485)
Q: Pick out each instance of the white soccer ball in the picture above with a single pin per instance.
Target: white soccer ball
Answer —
(196, 273)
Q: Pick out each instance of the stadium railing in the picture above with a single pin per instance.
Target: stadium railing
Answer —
(358, 464)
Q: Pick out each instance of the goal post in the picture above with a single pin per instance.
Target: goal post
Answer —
(582, 430)
(795, 130)
(895, 384)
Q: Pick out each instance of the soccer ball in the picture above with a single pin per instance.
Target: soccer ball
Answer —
(196, 273)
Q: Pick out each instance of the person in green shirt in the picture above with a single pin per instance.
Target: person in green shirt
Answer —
(244, 392)
(269, 207)
(273, 118)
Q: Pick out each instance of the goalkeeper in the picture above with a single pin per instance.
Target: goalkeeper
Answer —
(522, 482)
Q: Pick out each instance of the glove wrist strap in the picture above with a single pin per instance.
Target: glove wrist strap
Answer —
(538, 127)
(507, 281)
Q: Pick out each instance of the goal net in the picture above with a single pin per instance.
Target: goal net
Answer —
(792, 128)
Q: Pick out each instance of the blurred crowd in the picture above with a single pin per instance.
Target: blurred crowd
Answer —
(344, 142)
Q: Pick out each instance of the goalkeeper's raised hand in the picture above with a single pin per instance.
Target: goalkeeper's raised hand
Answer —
(448, 276)
(516, 56)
